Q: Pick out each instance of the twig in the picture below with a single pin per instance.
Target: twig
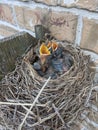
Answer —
(16, 104)
(20, 126)
(30, 111)
(44, 119)
(21, 104)
(89, 95)
(56, 110)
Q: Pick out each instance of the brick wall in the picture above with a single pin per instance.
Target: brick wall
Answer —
(74, 21)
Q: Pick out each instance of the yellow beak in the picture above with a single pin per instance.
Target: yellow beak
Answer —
(44, 52)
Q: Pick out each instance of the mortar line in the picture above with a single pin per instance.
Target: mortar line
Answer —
(79, 31)
(15, 27)
(1, 37)
(14, 16)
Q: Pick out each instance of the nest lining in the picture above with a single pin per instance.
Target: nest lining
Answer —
(61, 101)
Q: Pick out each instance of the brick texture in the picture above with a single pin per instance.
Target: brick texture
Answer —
(62, 25)
(48, 2)
(89, 38)
(6, 13)
(88, 4)
(28, 18)
(85, 4)
(6, 31)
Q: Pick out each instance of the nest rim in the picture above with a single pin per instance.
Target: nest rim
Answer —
(26, 60)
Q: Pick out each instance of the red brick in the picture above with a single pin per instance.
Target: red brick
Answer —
(85, 4)
(6, 13)
(28, 18)
(62, 25)
(89, 38)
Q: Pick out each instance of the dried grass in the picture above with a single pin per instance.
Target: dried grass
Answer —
(28, 101)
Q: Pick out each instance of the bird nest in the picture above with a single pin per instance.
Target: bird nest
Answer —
(30, 101)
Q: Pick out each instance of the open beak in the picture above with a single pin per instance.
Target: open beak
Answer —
(52, 45)
(44, 52)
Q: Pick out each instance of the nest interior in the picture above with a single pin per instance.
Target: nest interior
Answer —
(60, 103)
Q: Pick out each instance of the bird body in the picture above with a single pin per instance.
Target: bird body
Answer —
(53, 60)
